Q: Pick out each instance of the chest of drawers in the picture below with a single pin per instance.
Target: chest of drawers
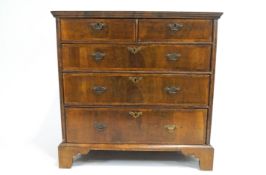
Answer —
(136, 81)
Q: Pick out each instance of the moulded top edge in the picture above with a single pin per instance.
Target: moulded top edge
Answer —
(135, 14)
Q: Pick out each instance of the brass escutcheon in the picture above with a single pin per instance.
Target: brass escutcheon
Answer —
(99, 89)
(100, 126)
(135, 79)
(175, 27)
(172, 89)
(170, 128)
(135, 114)
(97, 26)
(134, 50)
(97, 56)
(173, 56)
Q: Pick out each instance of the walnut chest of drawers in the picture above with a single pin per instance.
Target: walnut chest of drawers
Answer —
(136, 81)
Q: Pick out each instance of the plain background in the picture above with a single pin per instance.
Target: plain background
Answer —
(29, 96)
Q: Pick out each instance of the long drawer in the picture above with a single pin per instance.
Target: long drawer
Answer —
(136, 57)
(119, 89)
(133, 125)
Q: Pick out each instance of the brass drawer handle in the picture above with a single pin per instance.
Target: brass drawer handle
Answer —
(99, 89)
(97, 56)
(170, 128)
(134, 50)
(99, 126)
(135, 114)
(98, 26)
(135, 79)
(175, 27)
(173, 56)
(172, 89)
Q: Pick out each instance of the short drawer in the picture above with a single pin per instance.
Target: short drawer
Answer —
(164, 126)
(179, 30)
(115, 89)
(97, 29)
(136, 57)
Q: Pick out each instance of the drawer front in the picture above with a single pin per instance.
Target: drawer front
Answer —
(97, 29)
(97, 89)
(166, 126)
(180, 30)
(132, 57)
